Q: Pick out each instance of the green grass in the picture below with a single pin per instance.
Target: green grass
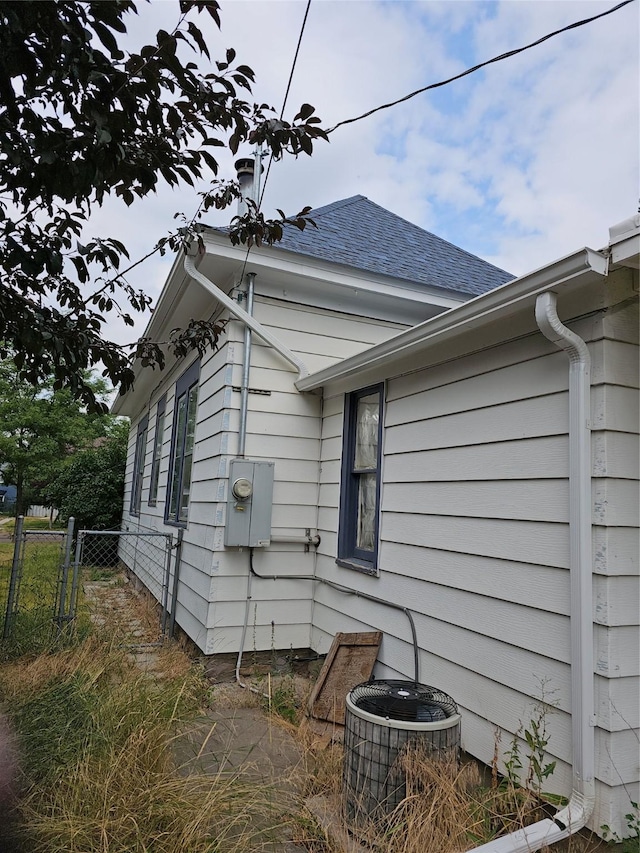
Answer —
(282, 699)
(33, 628)
(33, 523)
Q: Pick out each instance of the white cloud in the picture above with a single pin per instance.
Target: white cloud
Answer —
(522, 162)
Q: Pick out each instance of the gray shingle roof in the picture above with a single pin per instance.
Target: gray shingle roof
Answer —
(361, 234)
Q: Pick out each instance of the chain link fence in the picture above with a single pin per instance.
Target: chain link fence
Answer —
(30, 572)
(147, 555)
(42, 573)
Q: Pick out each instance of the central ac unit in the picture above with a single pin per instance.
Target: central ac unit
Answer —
(383, 719)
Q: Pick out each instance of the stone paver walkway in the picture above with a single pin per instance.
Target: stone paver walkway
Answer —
(115, 606)
(229, 738)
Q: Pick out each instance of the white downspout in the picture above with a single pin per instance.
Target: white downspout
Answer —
(581, 803)
(240, 314)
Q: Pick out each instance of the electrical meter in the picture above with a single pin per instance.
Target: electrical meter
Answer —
(242, 489)
(249, 504)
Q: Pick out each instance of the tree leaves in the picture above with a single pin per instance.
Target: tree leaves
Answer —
(81, 120)
(199, 335)
(90, 487)
(253, 229)
(42, 425)
(196, 35)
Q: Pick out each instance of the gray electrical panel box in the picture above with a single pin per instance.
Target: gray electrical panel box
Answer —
(249, 503)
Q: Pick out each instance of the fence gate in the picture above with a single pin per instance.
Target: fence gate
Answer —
(30, 584)
(147, 555)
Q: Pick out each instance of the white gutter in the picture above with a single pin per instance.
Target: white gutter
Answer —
(581, 803)
(474, 313)
(240, 314)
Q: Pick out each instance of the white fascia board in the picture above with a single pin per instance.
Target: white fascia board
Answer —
(626, 253)
(624, 242)
(625, 229)
(290, 264)
(471, 315)
(168, 295)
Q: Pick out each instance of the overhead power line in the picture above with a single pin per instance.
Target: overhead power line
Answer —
(295, 58)
(481, 65)
(284, 103)
(286, 95)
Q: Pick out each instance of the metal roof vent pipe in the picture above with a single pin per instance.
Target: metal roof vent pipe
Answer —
(249, 180)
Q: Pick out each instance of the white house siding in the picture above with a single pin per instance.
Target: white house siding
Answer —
(282, 425)
(193, 603)
(474, 539)
(616, 467)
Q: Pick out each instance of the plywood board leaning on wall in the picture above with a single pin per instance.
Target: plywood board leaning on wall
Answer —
(350, 661)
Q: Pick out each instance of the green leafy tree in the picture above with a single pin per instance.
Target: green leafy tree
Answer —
(81, 119)
(90, 487)
(40, 428)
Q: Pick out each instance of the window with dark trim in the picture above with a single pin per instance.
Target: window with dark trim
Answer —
(138, 466)
(360, 481)
(157, 450)
(182, 439)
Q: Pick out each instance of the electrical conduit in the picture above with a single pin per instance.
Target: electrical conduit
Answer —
(346, 591)
(575, 815)
(246, 369)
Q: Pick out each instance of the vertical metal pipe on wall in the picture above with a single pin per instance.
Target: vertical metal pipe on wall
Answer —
(249, 178)
(176, 581)
(246, 369)
(168, 545)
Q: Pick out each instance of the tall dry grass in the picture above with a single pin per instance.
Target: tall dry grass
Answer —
(448, 808)
(439, 811)
(439, 814)
(96, 740)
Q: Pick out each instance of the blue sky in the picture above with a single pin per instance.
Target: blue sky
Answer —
(521, 163)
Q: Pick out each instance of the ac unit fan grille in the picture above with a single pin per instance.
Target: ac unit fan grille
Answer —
(402, 700)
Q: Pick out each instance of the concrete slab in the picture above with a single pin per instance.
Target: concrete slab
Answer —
(327, 813)
(243, 741)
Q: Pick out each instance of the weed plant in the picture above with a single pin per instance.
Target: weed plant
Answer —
(449, 807)
(631, 844)
(99, 775)
(281, 699)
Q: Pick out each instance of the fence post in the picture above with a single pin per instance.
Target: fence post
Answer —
(15, 578)
(165, 584)
(76, 573)
(65, 574)
(176, 578)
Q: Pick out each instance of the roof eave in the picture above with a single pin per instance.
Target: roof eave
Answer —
(471, 315)
(329, 272)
